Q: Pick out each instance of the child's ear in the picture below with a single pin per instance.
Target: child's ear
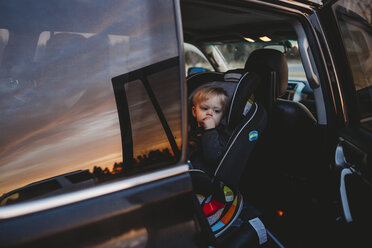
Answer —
(193, 109)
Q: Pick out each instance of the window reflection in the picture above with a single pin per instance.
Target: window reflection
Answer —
(149, 103)
(355, 25)
(56, 98)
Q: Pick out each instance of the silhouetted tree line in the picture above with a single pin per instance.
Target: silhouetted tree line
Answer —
(141, 163)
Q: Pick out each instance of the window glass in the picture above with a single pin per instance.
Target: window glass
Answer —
(57, 103)
(148, 101)
(236, 54)
(355, 19)
(150, 142)
(195, 61)
(162, 84)
(299, 90)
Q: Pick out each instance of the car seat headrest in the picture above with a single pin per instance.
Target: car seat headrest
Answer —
(243, 92)
(227, 81)
(233, 75)
(198, 79)
(264, 62)
(64, 44)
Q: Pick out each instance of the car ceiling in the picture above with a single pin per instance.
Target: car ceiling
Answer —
(208, 22)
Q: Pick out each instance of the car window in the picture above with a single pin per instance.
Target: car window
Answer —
(57, 103)
(150, 99)
(236, 54)
(195, 61)
(355, 23)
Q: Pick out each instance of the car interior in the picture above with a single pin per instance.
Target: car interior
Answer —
(283, 176)
(212, 27)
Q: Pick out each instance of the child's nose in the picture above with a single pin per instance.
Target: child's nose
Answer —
(209, 112)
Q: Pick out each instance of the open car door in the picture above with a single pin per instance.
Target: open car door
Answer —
(348, 29)
(73, 85)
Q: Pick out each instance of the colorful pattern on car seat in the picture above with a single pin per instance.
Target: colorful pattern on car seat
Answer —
(229, 215)
(214, 218)
(212, 207)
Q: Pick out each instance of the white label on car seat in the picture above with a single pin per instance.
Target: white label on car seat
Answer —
(215, 217)
(260, 230)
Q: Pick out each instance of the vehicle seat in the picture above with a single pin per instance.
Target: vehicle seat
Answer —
(221, 191)
(286, 151)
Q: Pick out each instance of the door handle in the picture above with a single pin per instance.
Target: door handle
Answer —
(340, 160)
(343, 194)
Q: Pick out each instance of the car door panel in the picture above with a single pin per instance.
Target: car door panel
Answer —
(355, 190)
(352, 148)
(153, 214)
(355, 176)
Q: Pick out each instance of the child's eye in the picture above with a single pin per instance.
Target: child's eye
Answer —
(217, 111)
(204, 108)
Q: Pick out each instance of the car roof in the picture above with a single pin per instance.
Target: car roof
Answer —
(44, 181)
(205, 22)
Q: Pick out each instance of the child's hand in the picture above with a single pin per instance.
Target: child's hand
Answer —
(208, 123)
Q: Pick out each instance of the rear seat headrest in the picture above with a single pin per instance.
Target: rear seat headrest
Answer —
(233, 75)
(264, 61)
(64, 44)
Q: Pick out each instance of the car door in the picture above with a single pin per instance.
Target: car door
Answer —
(347, 28)
(92, 140)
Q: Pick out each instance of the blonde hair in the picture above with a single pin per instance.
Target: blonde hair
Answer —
(206, 92)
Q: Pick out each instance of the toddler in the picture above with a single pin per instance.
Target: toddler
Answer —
(209, 136)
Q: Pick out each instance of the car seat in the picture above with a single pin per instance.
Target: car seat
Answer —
(220, 205)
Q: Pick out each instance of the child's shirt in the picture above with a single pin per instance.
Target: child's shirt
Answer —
(206, 147)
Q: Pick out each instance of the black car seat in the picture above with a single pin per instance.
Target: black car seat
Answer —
(221, 191)
(287, 151)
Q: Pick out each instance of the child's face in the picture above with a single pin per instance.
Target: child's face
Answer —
(208, 114)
